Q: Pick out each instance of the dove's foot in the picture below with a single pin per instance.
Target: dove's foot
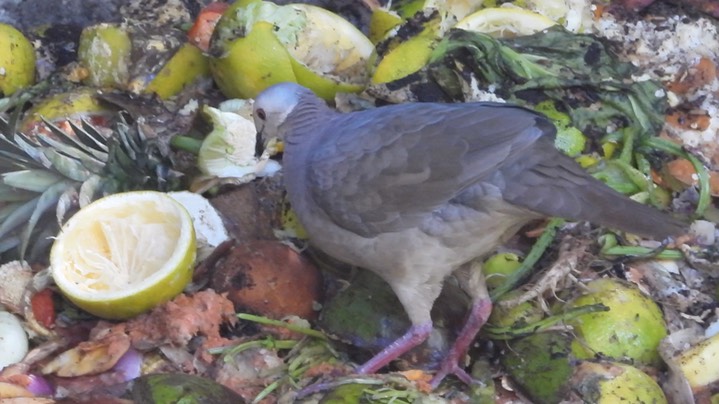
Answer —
(416, 335)
(481, 309)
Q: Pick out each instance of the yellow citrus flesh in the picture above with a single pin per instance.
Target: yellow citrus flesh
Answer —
(124, 254)
(505, 22)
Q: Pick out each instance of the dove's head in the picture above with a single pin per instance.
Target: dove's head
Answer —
(274, 105)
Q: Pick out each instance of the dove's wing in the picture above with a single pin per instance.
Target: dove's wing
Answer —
(385, 169)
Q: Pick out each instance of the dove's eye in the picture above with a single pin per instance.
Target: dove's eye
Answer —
(261, 114)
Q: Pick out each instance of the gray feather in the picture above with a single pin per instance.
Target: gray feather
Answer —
(385, 169)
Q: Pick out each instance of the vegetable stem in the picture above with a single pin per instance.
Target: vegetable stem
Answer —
(186, 143)
(266, 321)
(534, 254)
(704, 189)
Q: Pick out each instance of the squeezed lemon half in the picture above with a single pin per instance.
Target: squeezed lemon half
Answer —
(505, 22)
(124, 254)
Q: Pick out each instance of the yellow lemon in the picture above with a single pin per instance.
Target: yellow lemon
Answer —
(124, 254)
(17, 60)
(630, 330)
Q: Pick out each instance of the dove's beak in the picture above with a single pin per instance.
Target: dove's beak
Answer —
(259, 144)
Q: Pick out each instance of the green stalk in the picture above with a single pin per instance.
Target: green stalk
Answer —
(540, 246)
(186, 143)
(704, 189)
(505, 333)
(276, 323)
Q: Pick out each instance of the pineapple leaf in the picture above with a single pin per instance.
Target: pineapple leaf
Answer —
(41, 244)
(11, 123)
(67, 166)
(47, 200)
(9, 243)
(88, 161)
(91, 137)
(32, 150)
(126, 139)
(11, 194)
(14, 155)
(18, 216)
(7, 209)
(67, 202)
(88, 190)
(72, 141)
(36, 180)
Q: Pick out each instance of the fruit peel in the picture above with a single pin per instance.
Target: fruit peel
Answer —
(17, 60)
(296, 42)
(252, 63)
(186, 65)
(104, 50)
(610, 382)
(81, 103)
(155, 288)
(630, 330)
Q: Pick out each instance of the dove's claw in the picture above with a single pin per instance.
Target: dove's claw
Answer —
(479, 314)
(416, 335)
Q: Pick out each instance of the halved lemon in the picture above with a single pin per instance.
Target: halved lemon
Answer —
(505, 22)
(124, 254)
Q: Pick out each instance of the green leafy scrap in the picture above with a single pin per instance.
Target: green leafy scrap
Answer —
(577, 73)
(559, 72)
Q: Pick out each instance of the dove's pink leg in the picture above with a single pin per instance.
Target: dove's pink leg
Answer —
(481, 309)
(416, 335)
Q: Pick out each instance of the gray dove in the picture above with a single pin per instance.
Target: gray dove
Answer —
(414, 191)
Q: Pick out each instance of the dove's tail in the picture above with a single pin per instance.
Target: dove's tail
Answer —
(553, 184)
(616, 211)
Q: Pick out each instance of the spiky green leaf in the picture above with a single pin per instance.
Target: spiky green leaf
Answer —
(8, 243)
(87, 160)
(88, 191)
(18, 216)
(32, 150)
(67, 166)
(72, 142)
(11, 194)
(7, 209)
(47, 200)
(90, 136)
(36, 180)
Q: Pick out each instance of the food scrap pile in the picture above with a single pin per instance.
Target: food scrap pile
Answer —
(148, 253)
